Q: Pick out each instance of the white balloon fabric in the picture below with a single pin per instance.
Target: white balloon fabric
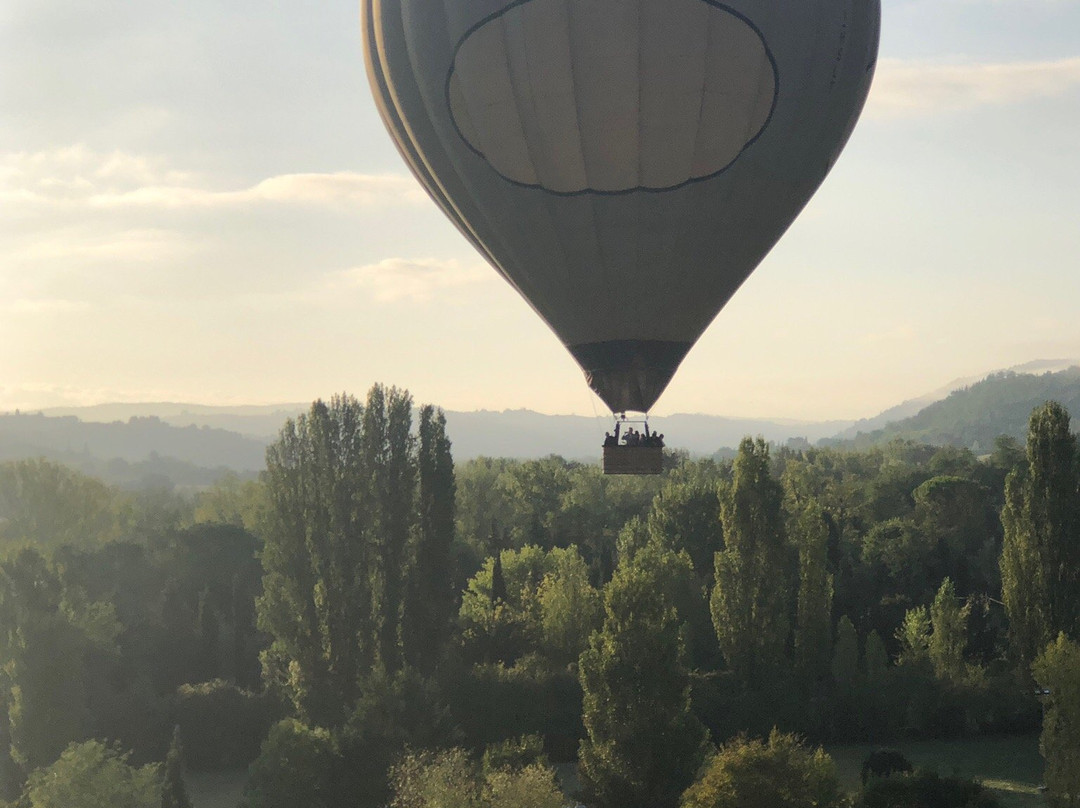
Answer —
(624, 164)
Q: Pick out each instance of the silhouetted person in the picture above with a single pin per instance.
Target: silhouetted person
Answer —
(610, 440)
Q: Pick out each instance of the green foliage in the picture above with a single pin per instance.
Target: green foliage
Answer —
(813, 616)
(845, 660)
(396, 712)
(949, 638)
(508, 624)
(430, 596)
(492, 703)
(643, 743)
(294, 768)
(449, 778)
(926, 789)
(1057, 671)
(93, 775)
(549, 503)
(222, 725)
(687, 515)
(749, 602)
(232, 501)
(436, 780)
(914, 637)
(780, 773)
(1040, 562)
(514, 753)
(569, 606)
(340, 558)
(47, 505)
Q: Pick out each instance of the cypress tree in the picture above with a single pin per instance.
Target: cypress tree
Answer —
(173, 792)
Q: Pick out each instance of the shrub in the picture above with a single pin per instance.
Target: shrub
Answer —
(782, 772)
(221, 725)
(294, 768)
(925, 789)
(885, 762)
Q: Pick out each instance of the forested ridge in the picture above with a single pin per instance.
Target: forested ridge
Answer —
(371, 624)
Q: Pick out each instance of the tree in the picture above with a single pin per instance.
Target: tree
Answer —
(429, 609)
(46, 648)
(687, 515)
(914, 636)
(349, 513)
(294, 768)
(569, 606)
(389, 504)
(1057, 671)
(750, 598)
(780, 773)
(449, 779)
(317, 560)
(92, 775)
(643, 745)
(1040, 561)
(47, 505)
(173, 792)
(813, 617)
(949, 638)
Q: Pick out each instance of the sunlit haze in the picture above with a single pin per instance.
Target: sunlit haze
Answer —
(199, 203)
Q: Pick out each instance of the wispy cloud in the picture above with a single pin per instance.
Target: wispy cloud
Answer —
(395, 279)
(916, 88)
(76, 176)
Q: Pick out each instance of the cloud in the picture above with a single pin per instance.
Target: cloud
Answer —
(339, 189)
(395, 279)
(88, 243)
(77, 177)
(916, 88)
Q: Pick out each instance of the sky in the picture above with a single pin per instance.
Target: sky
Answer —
(199, 203)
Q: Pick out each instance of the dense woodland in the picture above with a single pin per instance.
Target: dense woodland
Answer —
(368, 624)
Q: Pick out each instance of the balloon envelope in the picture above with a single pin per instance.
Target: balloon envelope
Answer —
(624, 164)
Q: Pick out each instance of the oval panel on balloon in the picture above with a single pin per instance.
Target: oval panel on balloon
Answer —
(611, 96)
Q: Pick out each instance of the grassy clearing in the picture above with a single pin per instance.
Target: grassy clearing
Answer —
(1010, 765)
(215, 789)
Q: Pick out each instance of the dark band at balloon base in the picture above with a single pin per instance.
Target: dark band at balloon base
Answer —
(629, 375)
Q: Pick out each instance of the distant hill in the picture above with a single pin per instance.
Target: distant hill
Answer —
(254, 421)
(914, 406)
(192, 445)
(973, 416)
(236, 438)
(132, 452)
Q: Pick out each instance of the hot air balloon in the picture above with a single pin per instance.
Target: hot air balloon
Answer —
(624, 164)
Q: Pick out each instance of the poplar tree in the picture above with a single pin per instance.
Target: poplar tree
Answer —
(430, 604)
(949, 637)
(356, 549)
(813, 618)
(1040, 562)
(749, 601)
(1057, 671)
(317, 584)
